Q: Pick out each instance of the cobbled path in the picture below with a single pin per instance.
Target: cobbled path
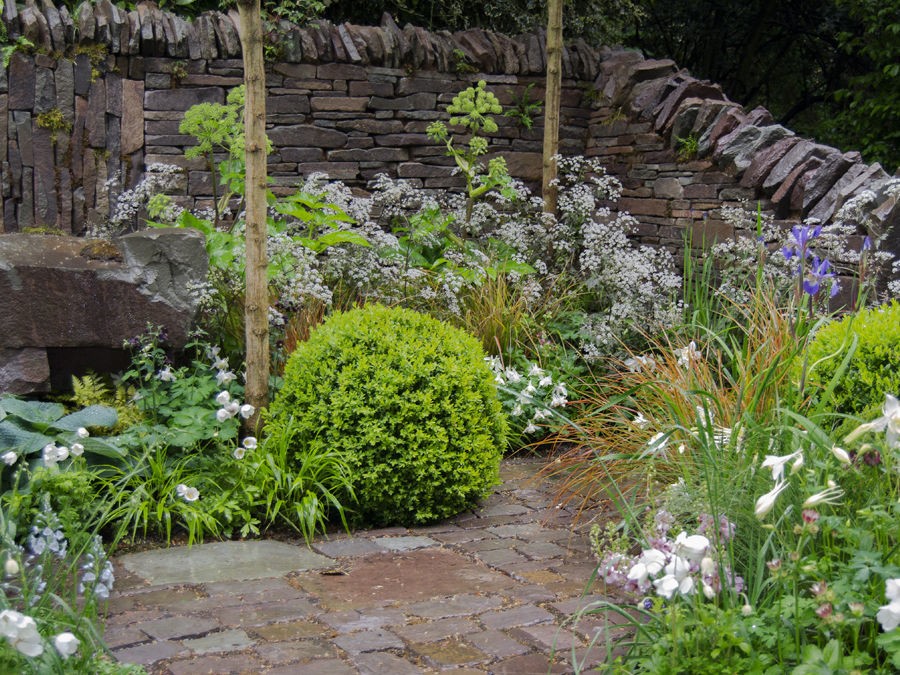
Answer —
(491, 591)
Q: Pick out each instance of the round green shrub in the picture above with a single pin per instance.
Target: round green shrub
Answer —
(874, 368)
(409, 399)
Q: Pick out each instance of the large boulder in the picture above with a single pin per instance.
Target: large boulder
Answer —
(77, 297)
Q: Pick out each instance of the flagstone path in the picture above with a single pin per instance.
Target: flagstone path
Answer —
(491, 591)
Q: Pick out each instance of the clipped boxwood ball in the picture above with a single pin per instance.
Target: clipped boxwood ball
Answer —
(411, 402)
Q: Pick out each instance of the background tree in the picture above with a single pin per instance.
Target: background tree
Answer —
(256, 304)
(551, 102)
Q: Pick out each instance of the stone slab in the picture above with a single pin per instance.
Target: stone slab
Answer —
(222, 561)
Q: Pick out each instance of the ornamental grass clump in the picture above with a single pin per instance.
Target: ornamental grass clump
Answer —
(410, 401)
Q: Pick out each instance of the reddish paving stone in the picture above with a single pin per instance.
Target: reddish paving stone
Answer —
(320, 667)
(458, 605)
(257, 615)
(350, 621)
(123, 636)
(408, 577)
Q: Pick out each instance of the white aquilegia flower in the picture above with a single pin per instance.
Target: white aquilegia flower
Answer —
(889, 615)
(77, 449)
(247, 411)
(889, 422)
(66, 644)
(765, 503)
(830, 495)
(9, 458)
(530, 429)
(512, 375)
(535, 371)
(693, 547)
(22, 633)
(220, 363)
(166, 375)
(250, 443)
(776, 463)
(82, 433)
(224, 377)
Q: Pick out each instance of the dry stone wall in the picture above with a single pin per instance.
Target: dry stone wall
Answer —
(103, 95)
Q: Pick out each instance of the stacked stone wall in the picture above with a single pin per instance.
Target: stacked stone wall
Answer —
(102, 95)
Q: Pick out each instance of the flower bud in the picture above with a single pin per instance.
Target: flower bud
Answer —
(11, 567)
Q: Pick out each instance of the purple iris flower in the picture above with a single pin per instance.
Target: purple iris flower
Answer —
(818, 273)
(801, 236)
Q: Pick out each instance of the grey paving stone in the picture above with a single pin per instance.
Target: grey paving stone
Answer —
(524, 615)
(222, 561)
(278, 653)
(350, 621)
(548, 637)
(348, 548)
(271, 612)
(432, 631)
(214, 663)
(541, 550)
(318, 667)
(179, 627)
(529, 664)
(368, 641)
(504, 510)
(501, 556)
(220, 641)
(449, 653)
(401, 544)
(497, 643)
(148, 653)
(380, 663)
(459, 605)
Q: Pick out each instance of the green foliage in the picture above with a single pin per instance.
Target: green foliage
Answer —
(411, 403)
(91, 389)
(461, 63)
(54, 121)
(21, 44)
(688, 147)
(871, 342)
(525, 109)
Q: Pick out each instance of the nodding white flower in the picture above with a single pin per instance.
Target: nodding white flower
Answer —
(777, 463)
(841, 455)
(498, 379)
(239, 452)
(653, 559)
(22, 633)
(77, 449)
(545, 381)
(530, 429)
(889, 422)
(666, 586)
(191, 494)
(62, 453)
(889, 615)
(512, 375)
(765, 503)
(535, 371)
(708, 591)
(82, 432)
(9, 457)
(11, 567)
(708, 566)
(180, 489)
(233, 408)
(247, 411)
(693, 547)
(224, 377)
(222, 414)
(250, 443)
(66, 644)
(797, 464)
(223, 397)
(830, 495)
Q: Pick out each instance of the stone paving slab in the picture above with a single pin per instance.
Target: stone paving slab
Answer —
(492, 590)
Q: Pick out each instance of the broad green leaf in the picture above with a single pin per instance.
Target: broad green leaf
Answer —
(38, 413)
(13, 437)
(100, 416)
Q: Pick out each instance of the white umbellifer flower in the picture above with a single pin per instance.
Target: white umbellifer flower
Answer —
(250, 443)
(765, 503)
(21, 631)
(9, 458)
(77, 449)
(247, 411)
(82, 432)
(66, 644)
(223, 397)
(191, 494)
(239, 452)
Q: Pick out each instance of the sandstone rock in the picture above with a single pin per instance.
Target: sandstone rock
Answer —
(797, 155)
(52, 296)
(24, 371)
(765, 159)
(690, 88)
(819, 183)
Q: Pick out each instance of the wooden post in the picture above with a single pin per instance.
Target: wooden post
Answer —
(256, 301)
(551, 101)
